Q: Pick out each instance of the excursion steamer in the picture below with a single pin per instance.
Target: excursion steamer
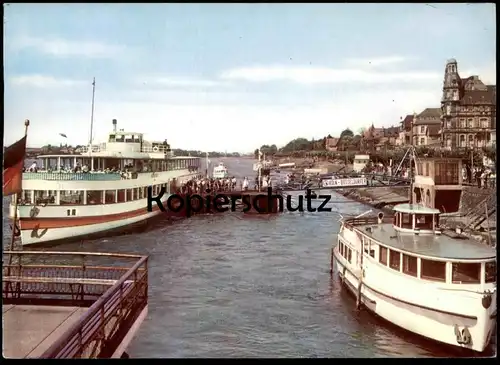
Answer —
(100, 189)
(439, 284)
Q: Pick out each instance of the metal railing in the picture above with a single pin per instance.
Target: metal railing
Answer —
(145, 149)
(72, 176)
(116, 291)
(365, 221)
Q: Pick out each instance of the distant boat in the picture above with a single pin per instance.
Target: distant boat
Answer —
(220, 171)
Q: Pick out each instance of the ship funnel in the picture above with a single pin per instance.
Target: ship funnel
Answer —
(114, 125)
(380, 217)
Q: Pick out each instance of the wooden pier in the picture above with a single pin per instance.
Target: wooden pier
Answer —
(72, 304)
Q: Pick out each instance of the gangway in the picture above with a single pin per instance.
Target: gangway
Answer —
(348, 181)
(72, 304)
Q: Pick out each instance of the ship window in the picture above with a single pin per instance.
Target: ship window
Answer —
(24, 198)
(466, 273)
(340, 248)
(73, 211)
(423, 221)
(490, 272)
(349, 255)
(121, 195)
(383, 255)
(394, 260)
(71, 197)
(138, 193)
(94, 197)
(130, 195)
(433, 270)
(410, 264)
(120, 138)
(110, 196)
(43, 197)
(111, 137)
(406, 221)
(372, 251)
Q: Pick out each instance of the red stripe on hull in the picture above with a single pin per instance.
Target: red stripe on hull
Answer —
(64, 222)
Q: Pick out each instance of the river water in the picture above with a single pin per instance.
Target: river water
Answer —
(232, 286)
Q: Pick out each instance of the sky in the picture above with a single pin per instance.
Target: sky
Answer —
(232, 77)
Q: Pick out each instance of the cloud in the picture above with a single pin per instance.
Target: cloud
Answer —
(200, 122)
(488, 75)
(322, 75)
(377, 61)
(58, 47)
(175, 82)
(42, 81)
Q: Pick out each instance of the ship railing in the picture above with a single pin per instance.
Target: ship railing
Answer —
(71, 176)
(113, 286)
(144, 149)
(363, 221)
(86, 149)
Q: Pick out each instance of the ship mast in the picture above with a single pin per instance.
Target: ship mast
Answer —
(92, 125)
(412, 158)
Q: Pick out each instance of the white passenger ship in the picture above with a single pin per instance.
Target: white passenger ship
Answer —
(437, 284)
(220, 171)
(102, 188)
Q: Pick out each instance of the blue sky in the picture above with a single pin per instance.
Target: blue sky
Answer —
(232, 76)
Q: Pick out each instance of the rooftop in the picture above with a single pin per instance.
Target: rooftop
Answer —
(415, 208)
(432, 246)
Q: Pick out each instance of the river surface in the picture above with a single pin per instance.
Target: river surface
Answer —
(229, 286)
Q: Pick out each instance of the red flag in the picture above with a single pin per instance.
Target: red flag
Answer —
(13, 167)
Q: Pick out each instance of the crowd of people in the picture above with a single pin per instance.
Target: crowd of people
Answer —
(201, 184)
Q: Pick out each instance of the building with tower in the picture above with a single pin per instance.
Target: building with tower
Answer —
(468, 111)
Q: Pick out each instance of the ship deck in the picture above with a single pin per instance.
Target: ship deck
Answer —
(29, 330)
(437, 246)
(71, 304)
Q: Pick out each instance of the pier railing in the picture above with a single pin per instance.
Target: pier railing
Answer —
(113, 286)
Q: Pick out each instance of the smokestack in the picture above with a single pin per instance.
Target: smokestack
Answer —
(114, 125)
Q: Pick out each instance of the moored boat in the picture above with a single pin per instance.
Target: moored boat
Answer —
(408, 272)
(102, 188)
(435, 283)
(220, 171)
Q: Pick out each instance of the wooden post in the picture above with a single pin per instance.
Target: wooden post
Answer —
(487, 222)
(331, 260)
(13, 237)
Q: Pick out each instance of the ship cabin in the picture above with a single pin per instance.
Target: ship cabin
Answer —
(125, 156)
(413, 245)
(416, 218)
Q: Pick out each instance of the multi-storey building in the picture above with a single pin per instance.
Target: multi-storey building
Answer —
(468, 110)
(427, 128)
(377, 139)
(405, 131)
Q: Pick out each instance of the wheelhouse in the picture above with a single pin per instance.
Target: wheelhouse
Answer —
(415, 218)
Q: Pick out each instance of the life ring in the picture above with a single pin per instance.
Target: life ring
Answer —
(155, 149)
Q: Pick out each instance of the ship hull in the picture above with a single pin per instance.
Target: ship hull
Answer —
(425, 320)
(43, 223)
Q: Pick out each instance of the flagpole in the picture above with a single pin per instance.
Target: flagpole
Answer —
(13, 237)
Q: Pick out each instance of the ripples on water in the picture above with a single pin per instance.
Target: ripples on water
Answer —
(228, 286)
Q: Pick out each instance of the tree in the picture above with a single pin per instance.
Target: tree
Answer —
(298, 144)
(346, 133)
